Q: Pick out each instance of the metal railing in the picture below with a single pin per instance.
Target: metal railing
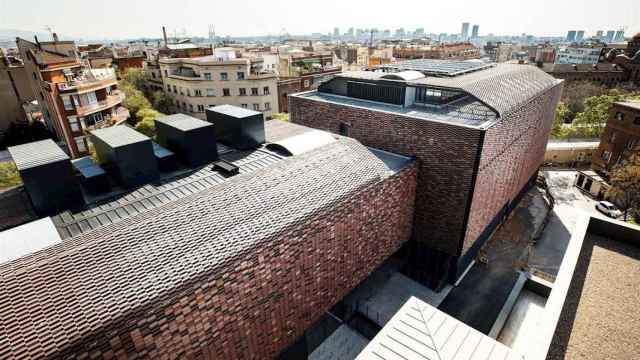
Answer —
(113, 99)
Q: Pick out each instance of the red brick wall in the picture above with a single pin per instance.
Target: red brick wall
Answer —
(446, 156)
(512, 152)
(261, 302)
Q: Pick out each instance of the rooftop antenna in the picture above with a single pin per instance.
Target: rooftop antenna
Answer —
(50, 30)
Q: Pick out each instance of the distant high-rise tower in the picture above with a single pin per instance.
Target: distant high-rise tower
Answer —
(475, 31)
(580, 35)
(610, 35)
(212, 34)
(619, 36)
(465, 31)
(336, 32)
(571, 36)
(600, 34)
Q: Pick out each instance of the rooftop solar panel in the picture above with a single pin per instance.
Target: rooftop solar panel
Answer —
(437, 67)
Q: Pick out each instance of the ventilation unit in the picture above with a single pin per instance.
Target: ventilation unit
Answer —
(47, 176)
(237, 127)
(128, 153)
(193, 140)
(226, 168)
(93, 177)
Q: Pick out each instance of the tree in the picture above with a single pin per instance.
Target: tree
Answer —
(625, 185)
(280, 116)
(146, 124)
(9, 175)
(559, 129)
(576, 92)
(591, 122)
(135, 100)
(134, 77)
(161, 101)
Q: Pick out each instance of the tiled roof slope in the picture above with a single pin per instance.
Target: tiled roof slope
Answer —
(54, 298)
(504, 88)
(422, 332)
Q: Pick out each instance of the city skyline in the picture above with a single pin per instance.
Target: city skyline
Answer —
(109, 21)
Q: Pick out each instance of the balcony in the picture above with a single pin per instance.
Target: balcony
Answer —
(260, 76)
(89, 80)
(112, 100)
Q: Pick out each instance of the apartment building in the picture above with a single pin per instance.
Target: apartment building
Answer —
(14, 91)
(72, 98)
(457, 51)
(195, 84)
(621, 137)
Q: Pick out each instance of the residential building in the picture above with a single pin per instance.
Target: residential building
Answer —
(499, 52)
(493, 142)
(608, 74)
(455, 51)
(196, 84)
(620, 138)
(545, 54)
(295, 84)
(73, 98)
(121, 59)
(296, 63)
(578, 55)
(15, 91)
(475, 31)
(464, 34)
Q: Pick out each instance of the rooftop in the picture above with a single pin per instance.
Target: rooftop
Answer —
(183, 122)
(117, 136)
(630, 104)
(169, 234)
(421, 331)
(434, 67)
(37, 153)
(235, 111)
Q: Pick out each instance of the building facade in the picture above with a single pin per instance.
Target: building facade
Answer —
(491, 155)
(15, 90)
(578, 55)
(195, 84)
(620, 138)
(73, 99)
(456, 51)
(307, 82)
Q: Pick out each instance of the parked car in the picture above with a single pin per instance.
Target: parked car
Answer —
(608, 209)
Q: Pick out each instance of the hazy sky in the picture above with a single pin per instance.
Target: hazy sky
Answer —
(144, 18)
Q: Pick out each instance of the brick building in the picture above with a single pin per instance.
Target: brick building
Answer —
(478, 143)
(457, 51)
(207, 264)
(296, 84)
(621, 137)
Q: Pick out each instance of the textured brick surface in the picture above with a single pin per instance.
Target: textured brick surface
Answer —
(237, 271)
(512, 151)
(446, 156)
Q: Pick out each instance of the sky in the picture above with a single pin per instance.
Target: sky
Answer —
(119, 19)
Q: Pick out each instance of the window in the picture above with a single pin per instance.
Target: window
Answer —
(82, 147)
(190, 108)
(240, 75)
(166, 73)
(636, 121)
(345, 129)
(224, 76)
(175, 89)
(244, 106)
(211, 92)
(256, 107)
(188, 92)
(68, 105)
(153, 75)
(74, 124)
(168, 88)
(306, 83)
(197, 92)
(606, 156)
(267, 106)
(619, 116)
(184, 106)
(200, 108)
(243, 91)
(207, 76)
(181, 93)
(226, 92)
(254, 91)
(265, 90)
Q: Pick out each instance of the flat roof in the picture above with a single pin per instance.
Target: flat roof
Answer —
(469, 112)
(28, 238)
(436, 67)
(120, 135)
(421, 331)
(629, 104)
(183, 122)
(600, 316)
(235, 111)
(36, 153)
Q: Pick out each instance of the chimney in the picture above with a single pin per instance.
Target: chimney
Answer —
(37, 42)
(55, 37)
(164, 35)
